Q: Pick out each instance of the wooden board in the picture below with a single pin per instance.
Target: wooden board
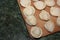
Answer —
(40, 23)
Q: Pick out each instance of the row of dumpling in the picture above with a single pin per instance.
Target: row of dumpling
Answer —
(39, 4)
(29, 12)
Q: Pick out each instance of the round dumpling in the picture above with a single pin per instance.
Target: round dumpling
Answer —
(49, 26)
(58, 2)
(35, 0)
(36, 32)
(25, 3)
(50, 2)
(28, 11)
(55, 11)
(39, 5)
(31, 20)
(44, 15)
(58, 21)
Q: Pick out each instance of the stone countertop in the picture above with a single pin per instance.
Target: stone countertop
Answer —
(12, 26)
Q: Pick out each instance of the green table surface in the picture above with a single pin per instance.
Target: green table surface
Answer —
(12, 25)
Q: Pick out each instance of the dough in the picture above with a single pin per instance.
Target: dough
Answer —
(55, 11)
(58, 2)
(35, 0)
(39, 5)
(49, 26)
(31, 20)
(28, 11)
(25, 3)
(50, 2)
(36, 32)
(58, 21)
(44, 15)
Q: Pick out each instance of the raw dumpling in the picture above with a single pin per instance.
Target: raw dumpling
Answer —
(49, 26)
(44, 15)
(31, 20)
(50, 2)
(39, 5)
(35, 0)
(25, 3)
(58, 2)
(58, 21)
(36, 32)
(28, 11)
(55, 11)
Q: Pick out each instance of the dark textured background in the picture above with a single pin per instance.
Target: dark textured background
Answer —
(12, 26)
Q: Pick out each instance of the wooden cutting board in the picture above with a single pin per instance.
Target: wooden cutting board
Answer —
(40, 23)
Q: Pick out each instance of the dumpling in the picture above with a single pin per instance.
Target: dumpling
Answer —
(25, 3)
(58, 21)
(49, 2)
(31, 20)
(28, 11)
(44, 15)
(39, 5)
(35, 0)
(58, 2)
(49, 25)
(36, 32)
(55, 11)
